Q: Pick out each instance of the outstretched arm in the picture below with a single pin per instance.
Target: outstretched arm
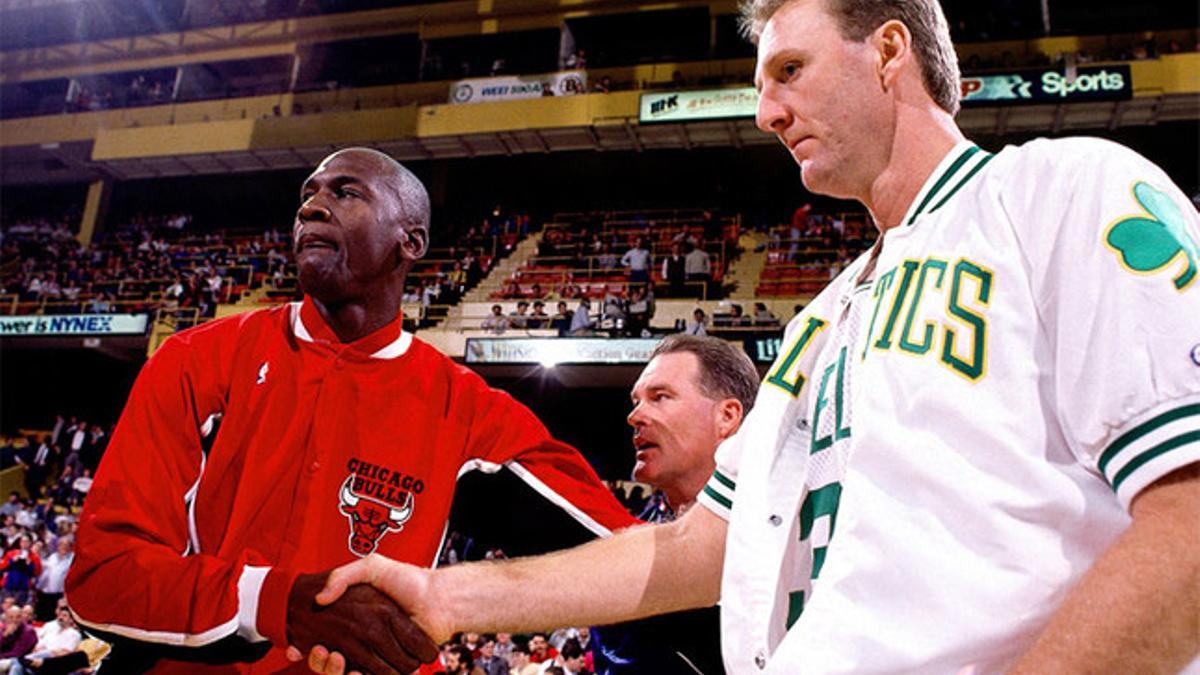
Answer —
(635, 573)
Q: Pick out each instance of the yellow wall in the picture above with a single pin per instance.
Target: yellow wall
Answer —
(1172, 74)
(390, 113)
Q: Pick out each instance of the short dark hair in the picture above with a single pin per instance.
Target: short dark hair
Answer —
(725, 369)
(464, 656)
(571, 649)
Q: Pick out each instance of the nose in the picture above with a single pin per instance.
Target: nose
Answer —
(771, 116)
(635, 417)
(312, 209)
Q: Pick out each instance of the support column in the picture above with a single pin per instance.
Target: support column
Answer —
(93, 210)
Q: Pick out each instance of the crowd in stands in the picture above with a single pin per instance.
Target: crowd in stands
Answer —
(39, 634)
(564, 651)
(567, 651)
(622, 259)
(165, 266)
(805, 254)
(141, 265)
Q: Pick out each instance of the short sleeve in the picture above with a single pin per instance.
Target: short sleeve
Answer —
(1114, 251)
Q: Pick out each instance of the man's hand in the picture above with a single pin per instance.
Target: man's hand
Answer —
(363, 625)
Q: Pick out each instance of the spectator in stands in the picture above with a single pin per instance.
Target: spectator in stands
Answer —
(606, 261)
(459, 660)
(697, 265)
(763, 316)
(84, 659)
(101, 304)
(512, 290)
(519, 660)
(18, 639)
(582, 322)
(21, 567)
(11, 506)
(736, 318)
(674, 271)
(571, 658)
(504, 645)
(81, 486)
(613, 311)
(562, 319)
(429, 292)
(44, 457)
(55, 638)
(538, 318)
(576, 60)
(519, 317)
(640, 310)
(698, 325)
(638, 261)
(496, 323)
(540, 650)
(488, 661)
(49, 584)
(473, 268)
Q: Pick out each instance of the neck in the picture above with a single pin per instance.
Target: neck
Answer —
(681, 497)
(353, 319)
(915, 153)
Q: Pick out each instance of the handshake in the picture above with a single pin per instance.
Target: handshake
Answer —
(367, 616)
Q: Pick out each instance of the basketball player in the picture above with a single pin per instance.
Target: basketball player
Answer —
(979, 450)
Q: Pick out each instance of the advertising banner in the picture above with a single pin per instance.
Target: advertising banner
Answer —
(553, 351)
(74, 324)
(1091, 83)
(514, 87)
(704, 104)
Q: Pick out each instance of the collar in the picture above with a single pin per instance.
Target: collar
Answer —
(959, 165)
(388, 342)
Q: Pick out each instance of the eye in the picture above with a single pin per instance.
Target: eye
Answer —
(790, 70)
(348, 192)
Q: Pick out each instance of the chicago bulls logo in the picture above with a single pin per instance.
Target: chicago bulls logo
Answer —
(370, 519)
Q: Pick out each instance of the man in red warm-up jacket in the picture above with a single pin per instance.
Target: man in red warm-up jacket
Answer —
(257, 451)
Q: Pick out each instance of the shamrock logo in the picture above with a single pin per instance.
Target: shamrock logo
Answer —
(1149, 244)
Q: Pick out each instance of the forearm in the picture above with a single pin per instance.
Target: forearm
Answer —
(1138, 608)
(635, 573)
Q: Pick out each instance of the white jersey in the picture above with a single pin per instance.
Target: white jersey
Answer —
(1025, 364)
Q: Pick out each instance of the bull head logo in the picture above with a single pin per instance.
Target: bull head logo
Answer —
(369, 519)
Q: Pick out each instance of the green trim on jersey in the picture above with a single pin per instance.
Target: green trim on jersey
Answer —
(987, 157)
(942, 180)
(718, 497)
(1141, 430)
(724, 480)
(1135, 463)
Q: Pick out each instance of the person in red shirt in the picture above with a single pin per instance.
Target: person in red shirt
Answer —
(258, 451)
(540, 650)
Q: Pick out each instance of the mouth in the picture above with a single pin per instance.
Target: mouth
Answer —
(794, 144)
(311, 241)
(644, 450)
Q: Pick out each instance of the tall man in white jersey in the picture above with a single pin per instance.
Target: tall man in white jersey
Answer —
(979, 450)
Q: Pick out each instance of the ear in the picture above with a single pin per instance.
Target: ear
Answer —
(412, 243)
(729, 417)
(893, 47)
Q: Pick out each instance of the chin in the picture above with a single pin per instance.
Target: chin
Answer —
(821, 181)
(643, 473)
